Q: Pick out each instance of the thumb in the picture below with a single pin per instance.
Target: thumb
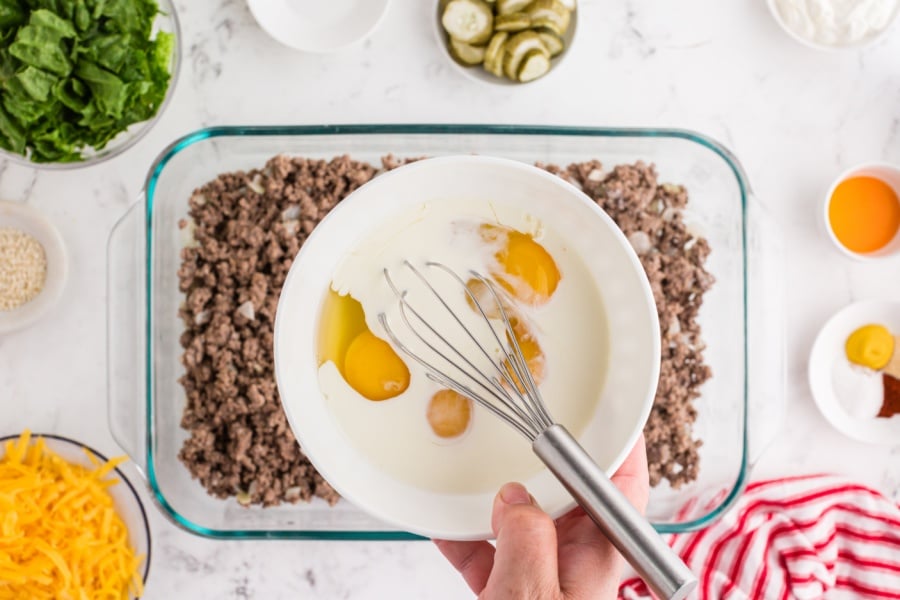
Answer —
(525, 563)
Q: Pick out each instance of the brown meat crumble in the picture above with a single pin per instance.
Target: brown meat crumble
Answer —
(651, 217)
(248, 226)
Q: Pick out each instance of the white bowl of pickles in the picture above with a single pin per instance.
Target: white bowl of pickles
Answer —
(507, 42)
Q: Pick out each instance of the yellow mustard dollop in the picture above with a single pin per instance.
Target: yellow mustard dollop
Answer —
(870, 346)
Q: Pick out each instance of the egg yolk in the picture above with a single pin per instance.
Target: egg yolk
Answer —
(527, 271)
(367, 363)
(372, 368)
(864, 213)
(531, 352)
(870, 346)
(485, 298)
(342, 319)
(449, 413)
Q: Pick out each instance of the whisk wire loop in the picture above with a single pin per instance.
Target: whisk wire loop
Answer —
(529, 429)
(510, 393)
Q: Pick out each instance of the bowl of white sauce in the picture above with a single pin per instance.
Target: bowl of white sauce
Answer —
(391, 440)
(835, 24)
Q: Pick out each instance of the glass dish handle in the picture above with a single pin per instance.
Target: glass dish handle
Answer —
(126, 334)
(765, 328)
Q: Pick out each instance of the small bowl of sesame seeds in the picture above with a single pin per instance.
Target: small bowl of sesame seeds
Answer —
(33, 266)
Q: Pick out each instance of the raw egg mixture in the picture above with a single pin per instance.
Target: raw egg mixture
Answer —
(408, 425)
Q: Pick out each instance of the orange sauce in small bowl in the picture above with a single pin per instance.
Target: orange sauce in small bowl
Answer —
(864, 214)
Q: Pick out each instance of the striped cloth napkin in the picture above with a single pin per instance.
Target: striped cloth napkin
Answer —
(807, 537)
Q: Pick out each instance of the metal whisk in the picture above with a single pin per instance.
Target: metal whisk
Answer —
(495, 374)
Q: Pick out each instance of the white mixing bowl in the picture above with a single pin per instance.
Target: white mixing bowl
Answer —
(634, 345)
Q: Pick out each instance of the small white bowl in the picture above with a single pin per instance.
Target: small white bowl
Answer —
(25, 218)
(634, 342)
(841, 389)
(318, 26)
(886, 173)
(477, 72)
(863, 43)
(125, 498)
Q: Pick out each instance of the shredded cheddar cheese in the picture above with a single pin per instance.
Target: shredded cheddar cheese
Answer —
(60, 535)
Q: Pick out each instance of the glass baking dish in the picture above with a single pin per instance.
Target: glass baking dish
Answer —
(146, 400)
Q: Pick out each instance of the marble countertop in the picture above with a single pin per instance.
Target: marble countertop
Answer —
(795, 118)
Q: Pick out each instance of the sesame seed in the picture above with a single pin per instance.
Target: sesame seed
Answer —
(23, 268)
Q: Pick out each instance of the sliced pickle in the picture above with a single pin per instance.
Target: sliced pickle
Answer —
(466, 54)
(516, 48)
(493, 56)
(535, 64)
(545, 12)
(553, 43)
(505, 7)
(512, 22)
(468, 21)
(547, 26)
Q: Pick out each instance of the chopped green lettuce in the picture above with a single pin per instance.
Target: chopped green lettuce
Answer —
(76, 73)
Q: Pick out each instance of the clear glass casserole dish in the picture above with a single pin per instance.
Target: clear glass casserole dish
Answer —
(740, 313)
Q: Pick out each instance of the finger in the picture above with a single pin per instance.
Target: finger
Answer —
(525, 561)
(633, 478)
(587, 559)
(473, 560)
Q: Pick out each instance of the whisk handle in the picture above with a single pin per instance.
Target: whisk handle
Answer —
(662, 570)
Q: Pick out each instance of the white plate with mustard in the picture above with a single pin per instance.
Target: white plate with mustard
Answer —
(854, 371)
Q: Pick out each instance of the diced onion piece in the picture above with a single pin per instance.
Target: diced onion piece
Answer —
(246, 309)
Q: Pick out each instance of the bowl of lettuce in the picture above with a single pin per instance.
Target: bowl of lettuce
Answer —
(83, 80)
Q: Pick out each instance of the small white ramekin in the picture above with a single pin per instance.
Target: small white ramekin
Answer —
(883, 171)
(319, 27)
(25, 218)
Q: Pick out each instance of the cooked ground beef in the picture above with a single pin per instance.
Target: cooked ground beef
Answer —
(247, 228)
(650, 214)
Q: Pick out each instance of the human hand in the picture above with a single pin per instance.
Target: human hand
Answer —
(537, 558)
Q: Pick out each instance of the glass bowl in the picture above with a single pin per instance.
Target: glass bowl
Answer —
(166, 20)
(128, 503)
(738, 408)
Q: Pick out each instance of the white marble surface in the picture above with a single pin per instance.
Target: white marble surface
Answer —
(794, 116)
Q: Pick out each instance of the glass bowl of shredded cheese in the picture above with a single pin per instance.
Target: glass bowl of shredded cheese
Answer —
(71, 524)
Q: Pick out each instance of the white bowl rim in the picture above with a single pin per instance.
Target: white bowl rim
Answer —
(262, 19)
(119, 475)
(651, 314)
(859, 45)
(50, 239)
(864, 307)
(878, 255)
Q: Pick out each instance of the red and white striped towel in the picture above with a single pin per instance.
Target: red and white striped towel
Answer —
(803, 537)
